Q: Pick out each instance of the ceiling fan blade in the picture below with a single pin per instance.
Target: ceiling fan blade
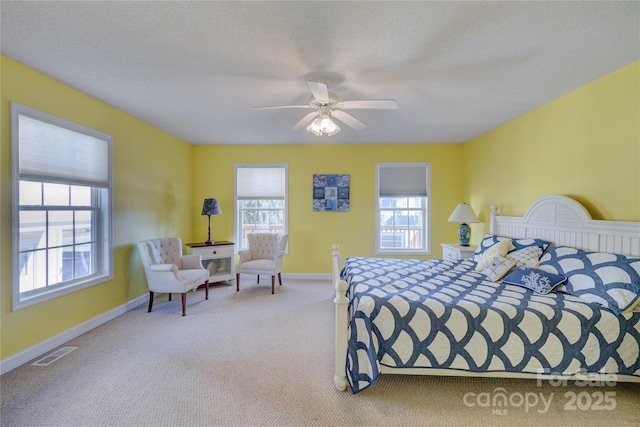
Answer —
(374, 104)
(320, 91)
(303, 122)
(273, 107)
(348, 119)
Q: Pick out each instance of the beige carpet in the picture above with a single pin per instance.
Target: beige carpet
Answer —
(255, 359)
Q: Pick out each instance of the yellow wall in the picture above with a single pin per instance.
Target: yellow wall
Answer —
(585, 145)
(311, 234)
(152, 197)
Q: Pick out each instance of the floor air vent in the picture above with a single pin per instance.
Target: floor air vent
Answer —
(47, 360)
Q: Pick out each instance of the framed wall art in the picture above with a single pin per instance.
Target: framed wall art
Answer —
(331, 193)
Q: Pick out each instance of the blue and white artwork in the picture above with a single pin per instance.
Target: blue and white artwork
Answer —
(331, 193)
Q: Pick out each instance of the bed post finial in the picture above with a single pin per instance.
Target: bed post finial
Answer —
(492, 220)
(335, 265)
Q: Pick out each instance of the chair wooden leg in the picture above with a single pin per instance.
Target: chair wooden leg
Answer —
(206, 289)
(150, 301)
(184, 303)
(279, 279)
(237, 282)
(273, 282)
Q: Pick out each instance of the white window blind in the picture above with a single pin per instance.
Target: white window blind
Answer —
(57, 154)
(402, 179)
(260, 183)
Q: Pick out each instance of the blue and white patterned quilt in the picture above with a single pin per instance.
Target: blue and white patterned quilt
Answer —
(442, 314)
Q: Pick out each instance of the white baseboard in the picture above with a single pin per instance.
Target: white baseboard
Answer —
(306, 276)
(43, 347)
(302, 276)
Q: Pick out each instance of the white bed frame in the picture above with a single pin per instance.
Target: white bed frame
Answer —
(558, 219)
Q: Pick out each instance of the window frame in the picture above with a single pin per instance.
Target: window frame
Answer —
(425, 210)
(238, 232)
(101, 205)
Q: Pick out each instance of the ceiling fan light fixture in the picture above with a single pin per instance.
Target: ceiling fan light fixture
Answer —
(328, 107)
(323, 125)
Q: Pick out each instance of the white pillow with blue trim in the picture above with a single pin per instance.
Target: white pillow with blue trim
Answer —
(499, 249)
(611, 280)
(497, 268)
(526, 257)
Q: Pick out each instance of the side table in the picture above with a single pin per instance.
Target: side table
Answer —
(454, 251)
(218, 258)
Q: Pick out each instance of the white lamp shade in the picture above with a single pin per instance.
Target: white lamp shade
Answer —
(464, 214)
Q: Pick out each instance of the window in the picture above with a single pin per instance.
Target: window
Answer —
(402, 208)
(62, 191)
(261, 200)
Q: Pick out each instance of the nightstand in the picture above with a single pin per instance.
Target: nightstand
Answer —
(454, 251)
(218, 258)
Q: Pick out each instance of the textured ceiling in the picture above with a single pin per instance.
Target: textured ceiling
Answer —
(194, 69)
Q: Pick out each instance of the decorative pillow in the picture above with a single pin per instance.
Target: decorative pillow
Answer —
(527, 257)
(518, 244)
(498, 267)
(498, 249)
(609, 279)
(487, 242)
(539, 281)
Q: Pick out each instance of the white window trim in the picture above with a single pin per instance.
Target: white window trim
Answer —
(427, 212)
(238, 221)
(105, 246)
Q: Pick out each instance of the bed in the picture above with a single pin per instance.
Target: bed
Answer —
(553, 294)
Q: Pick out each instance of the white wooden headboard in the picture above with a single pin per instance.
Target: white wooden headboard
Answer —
(566, 222)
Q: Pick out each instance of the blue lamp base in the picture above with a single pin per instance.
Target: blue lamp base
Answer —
(464, 234)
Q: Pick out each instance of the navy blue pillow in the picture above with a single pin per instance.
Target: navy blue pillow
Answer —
(539, 281)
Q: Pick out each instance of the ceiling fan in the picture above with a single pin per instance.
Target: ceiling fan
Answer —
(328, 106)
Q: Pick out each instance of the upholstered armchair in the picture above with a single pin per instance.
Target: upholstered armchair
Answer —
(264, 256)
(168, 271)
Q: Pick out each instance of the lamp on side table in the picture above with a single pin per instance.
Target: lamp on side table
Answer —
(210, 207)
(464, 214)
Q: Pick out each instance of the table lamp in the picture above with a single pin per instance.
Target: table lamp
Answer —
(210, 207)
(463, 214)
